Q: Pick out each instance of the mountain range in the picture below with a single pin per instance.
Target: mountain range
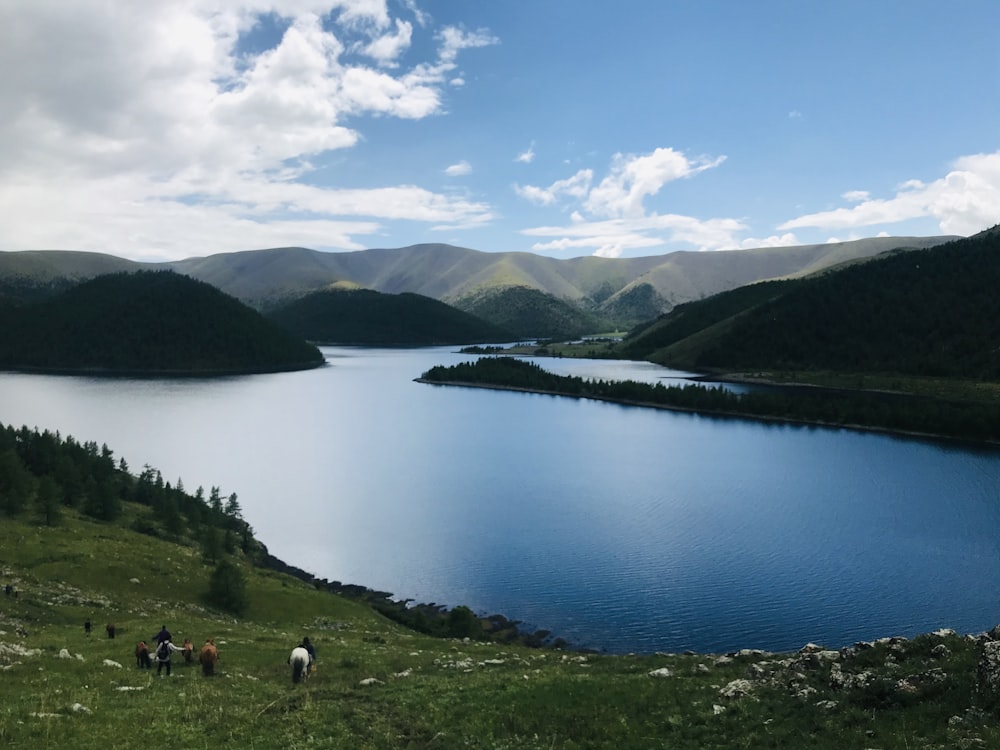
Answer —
(532, 295)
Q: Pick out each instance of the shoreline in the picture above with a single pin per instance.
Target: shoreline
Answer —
(937, 437)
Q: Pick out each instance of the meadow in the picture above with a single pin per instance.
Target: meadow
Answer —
(380, 685)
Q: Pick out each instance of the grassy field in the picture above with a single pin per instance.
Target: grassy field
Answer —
(381, 686)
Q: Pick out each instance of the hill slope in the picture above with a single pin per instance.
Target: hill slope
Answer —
(366, 317)
(931, 312)
(147, 322)
(603, 287)
(379, 686)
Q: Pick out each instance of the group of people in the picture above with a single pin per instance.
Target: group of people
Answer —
(302, 658)
(164, 650)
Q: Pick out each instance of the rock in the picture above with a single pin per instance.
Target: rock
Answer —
(79, 708)
(940, 651)
(944, 633)
(810, 648)
(988, 669)
(110, 663)
(404, 673)
(661, 672)
(827, 705)
(717, 709)
(371, 681)
(702, 669)
(65, 654)
(133, 580)
(737, 689)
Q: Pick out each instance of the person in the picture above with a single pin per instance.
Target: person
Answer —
(163, 635)
(111, 629)
(86, 626)
(310, 648)
(163, 653)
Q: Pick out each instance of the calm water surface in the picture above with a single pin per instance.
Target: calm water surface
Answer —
(618, 528)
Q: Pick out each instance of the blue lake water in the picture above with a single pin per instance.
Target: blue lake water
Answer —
(618, 528)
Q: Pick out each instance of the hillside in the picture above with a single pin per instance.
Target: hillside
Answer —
(928, 313)
(146, 322)
(380, 686)
(366, 317)
(528, 312)
(613, 292)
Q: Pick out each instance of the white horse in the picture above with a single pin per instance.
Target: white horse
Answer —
(299, 659)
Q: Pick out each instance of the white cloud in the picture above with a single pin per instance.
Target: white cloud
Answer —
(457, 170)
(611, 217)
(634, 178)
(576, 186)
(775, 240)
(139, 122)
(388, 47)
(964, 201)
(610, 238)
(856, 196)
(526, 157)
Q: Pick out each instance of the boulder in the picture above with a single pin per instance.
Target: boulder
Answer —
(988, 669)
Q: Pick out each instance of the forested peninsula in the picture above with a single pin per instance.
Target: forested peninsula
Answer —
(146, 323)
(873, 410)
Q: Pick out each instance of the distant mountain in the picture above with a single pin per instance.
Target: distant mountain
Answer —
(362, 316)
(147, 322)
(612, 292)
(932, 312)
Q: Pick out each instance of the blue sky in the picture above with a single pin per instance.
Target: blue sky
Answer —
(168, 129)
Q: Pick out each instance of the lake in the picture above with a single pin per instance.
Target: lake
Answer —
(618, 528)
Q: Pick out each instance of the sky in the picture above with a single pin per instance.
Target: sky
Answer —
(166, 129)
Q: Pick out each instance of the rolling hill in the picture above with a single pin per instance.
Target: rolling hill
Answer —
(611, 292)
(147, 322)
(932, 312)
(362, 316)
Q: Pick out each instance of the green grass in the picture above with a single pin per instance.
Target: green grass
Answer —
(381, 686)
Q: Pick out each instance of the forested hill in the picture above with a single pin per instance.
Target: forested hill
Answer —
(933, 312)
(363, 316)
(147, 322)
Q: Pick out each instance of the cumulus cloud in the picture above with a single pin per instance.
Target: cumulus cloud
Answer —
(457, 170)
(387, 48)
(577, 186)
(964, 201)
(611, 217)
(610, 238)
(134, 119)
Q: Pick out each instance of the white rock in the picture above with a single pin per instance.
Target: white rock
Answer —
(65, 654)
(661, 672)
(110, 663)
(80, 708)
(371, 681)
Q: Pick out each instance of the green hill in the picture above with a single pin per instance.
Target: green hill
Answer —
(367, 317)
(82, 540)
(146, 322)
(928, 313)
(615, 293)
(528, 312)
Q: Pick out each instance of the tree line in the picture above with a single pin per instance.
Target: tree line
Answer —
(894, 412)
(149, 321)
(43, 474)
